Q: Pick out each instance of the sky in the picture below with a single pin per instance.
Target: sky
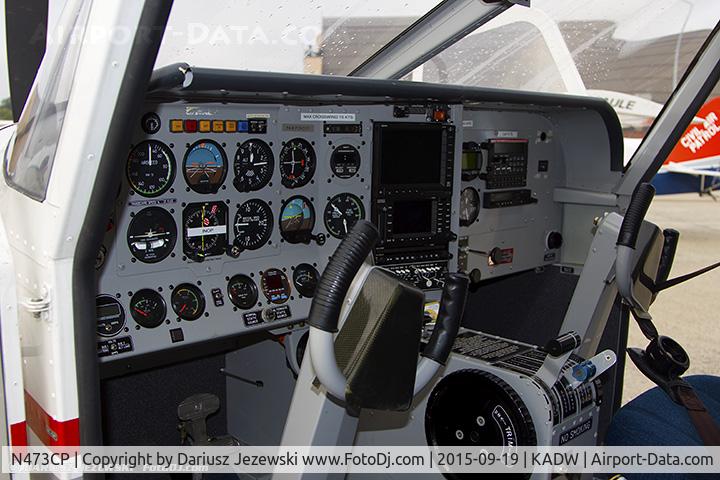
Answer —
(273, 35)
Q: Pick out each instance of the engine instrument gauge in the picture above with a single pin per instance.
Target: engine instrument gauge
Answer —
(110, 316)
(345, 161)
(188, 301)
(253, 224)
(151, 168)
(341, 213)
(469, 206)
(275, 285)
(242, 291)
(297, 163)
(205, 230)
(151, 234)
(297, 220)
(205, 166)
(147, 308)
(305, 279)
(253, 166)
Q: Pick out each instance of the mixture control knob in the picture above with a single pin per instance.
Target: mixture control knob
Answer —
(554, 240)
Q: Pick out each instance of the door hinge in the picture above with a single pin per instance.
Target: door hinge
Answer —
(37, 306)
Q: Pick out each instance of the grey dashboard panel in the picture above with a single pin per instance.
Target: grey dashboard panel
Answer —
(121, 274)
(560, 153)
(520, 232)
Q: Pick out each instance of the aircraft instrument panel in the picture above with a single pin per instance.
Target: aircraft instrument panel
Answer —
(227, 213)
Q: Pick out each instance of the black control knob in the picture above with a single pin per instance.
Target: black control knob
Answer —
(496, 256)
(554, 240)
(475, 275)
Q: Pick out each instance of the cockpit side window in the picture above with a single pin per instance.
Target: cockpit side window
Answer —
(29, 157)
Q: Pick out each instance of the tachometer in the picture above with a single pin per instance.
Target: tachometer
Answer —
(305, 279)
(253, 166)
(110, 316)
(341, 213)
(205, 230)
(147, 308)
(297, 220)
(151, 234)
(297, 163)
(275, 285)
(188, 301)
(242, 291)
(469, 206)
(345, 161)
(151, 168)
(205, 166)
(253, 224)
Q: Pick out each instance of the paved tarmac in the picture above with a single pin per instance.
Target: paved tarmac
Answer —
(690, 312)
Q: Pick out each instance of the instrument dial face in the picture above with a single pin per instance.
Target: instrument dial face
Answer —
(151, 168)
(253, 224)
(341, 213)
(205, 230)
(147, 308)
(205, 166)
(242, 291)
(275, 285)
(297, 163)
(297, 220)
(469, 206)
(188, 301)
(110, 316)
(254, 165)
(345, 161)
(305, 279)
(151, 234)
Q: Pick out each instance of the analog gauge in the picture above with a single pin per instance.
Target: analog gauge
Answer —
(345, 161)
(205, 230)
(254, 165)
(151, 168)
(151, 234)
(305, 279)
(242, 291)
(205, 166)
(188, 301)
(148, 308)
(341, 213)
(297, 163)
(469, 206)
(253, 224)
(297, 220)
(110, 316)
(275, 285)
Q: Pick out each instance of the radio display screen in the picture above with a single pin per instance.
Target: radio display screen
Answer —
(411, 154)
(412, 217)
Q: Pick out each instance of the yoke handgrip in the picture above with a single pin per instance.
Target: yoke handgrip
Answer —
(639, 204)
(670, 243)
(452, 306)
(339, 274)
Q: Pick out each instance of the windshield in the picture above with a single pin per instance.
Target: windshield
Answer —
(313, 36)
(633, 54)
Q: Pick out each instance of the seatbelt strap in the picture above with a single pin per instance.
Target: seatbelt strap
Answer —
(702, 420)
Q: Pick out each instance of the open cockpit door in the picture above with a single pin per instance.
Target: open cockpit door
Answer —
(61, 170)
(700, 78)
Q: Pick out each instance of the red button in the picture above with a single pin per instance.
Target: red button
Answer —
(191, 126)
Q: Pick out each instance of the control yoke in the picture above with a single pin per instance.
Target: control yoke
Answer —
(327, 304)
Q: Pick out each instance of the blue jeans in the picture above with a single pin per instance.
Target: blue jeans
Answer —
(654, 419)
